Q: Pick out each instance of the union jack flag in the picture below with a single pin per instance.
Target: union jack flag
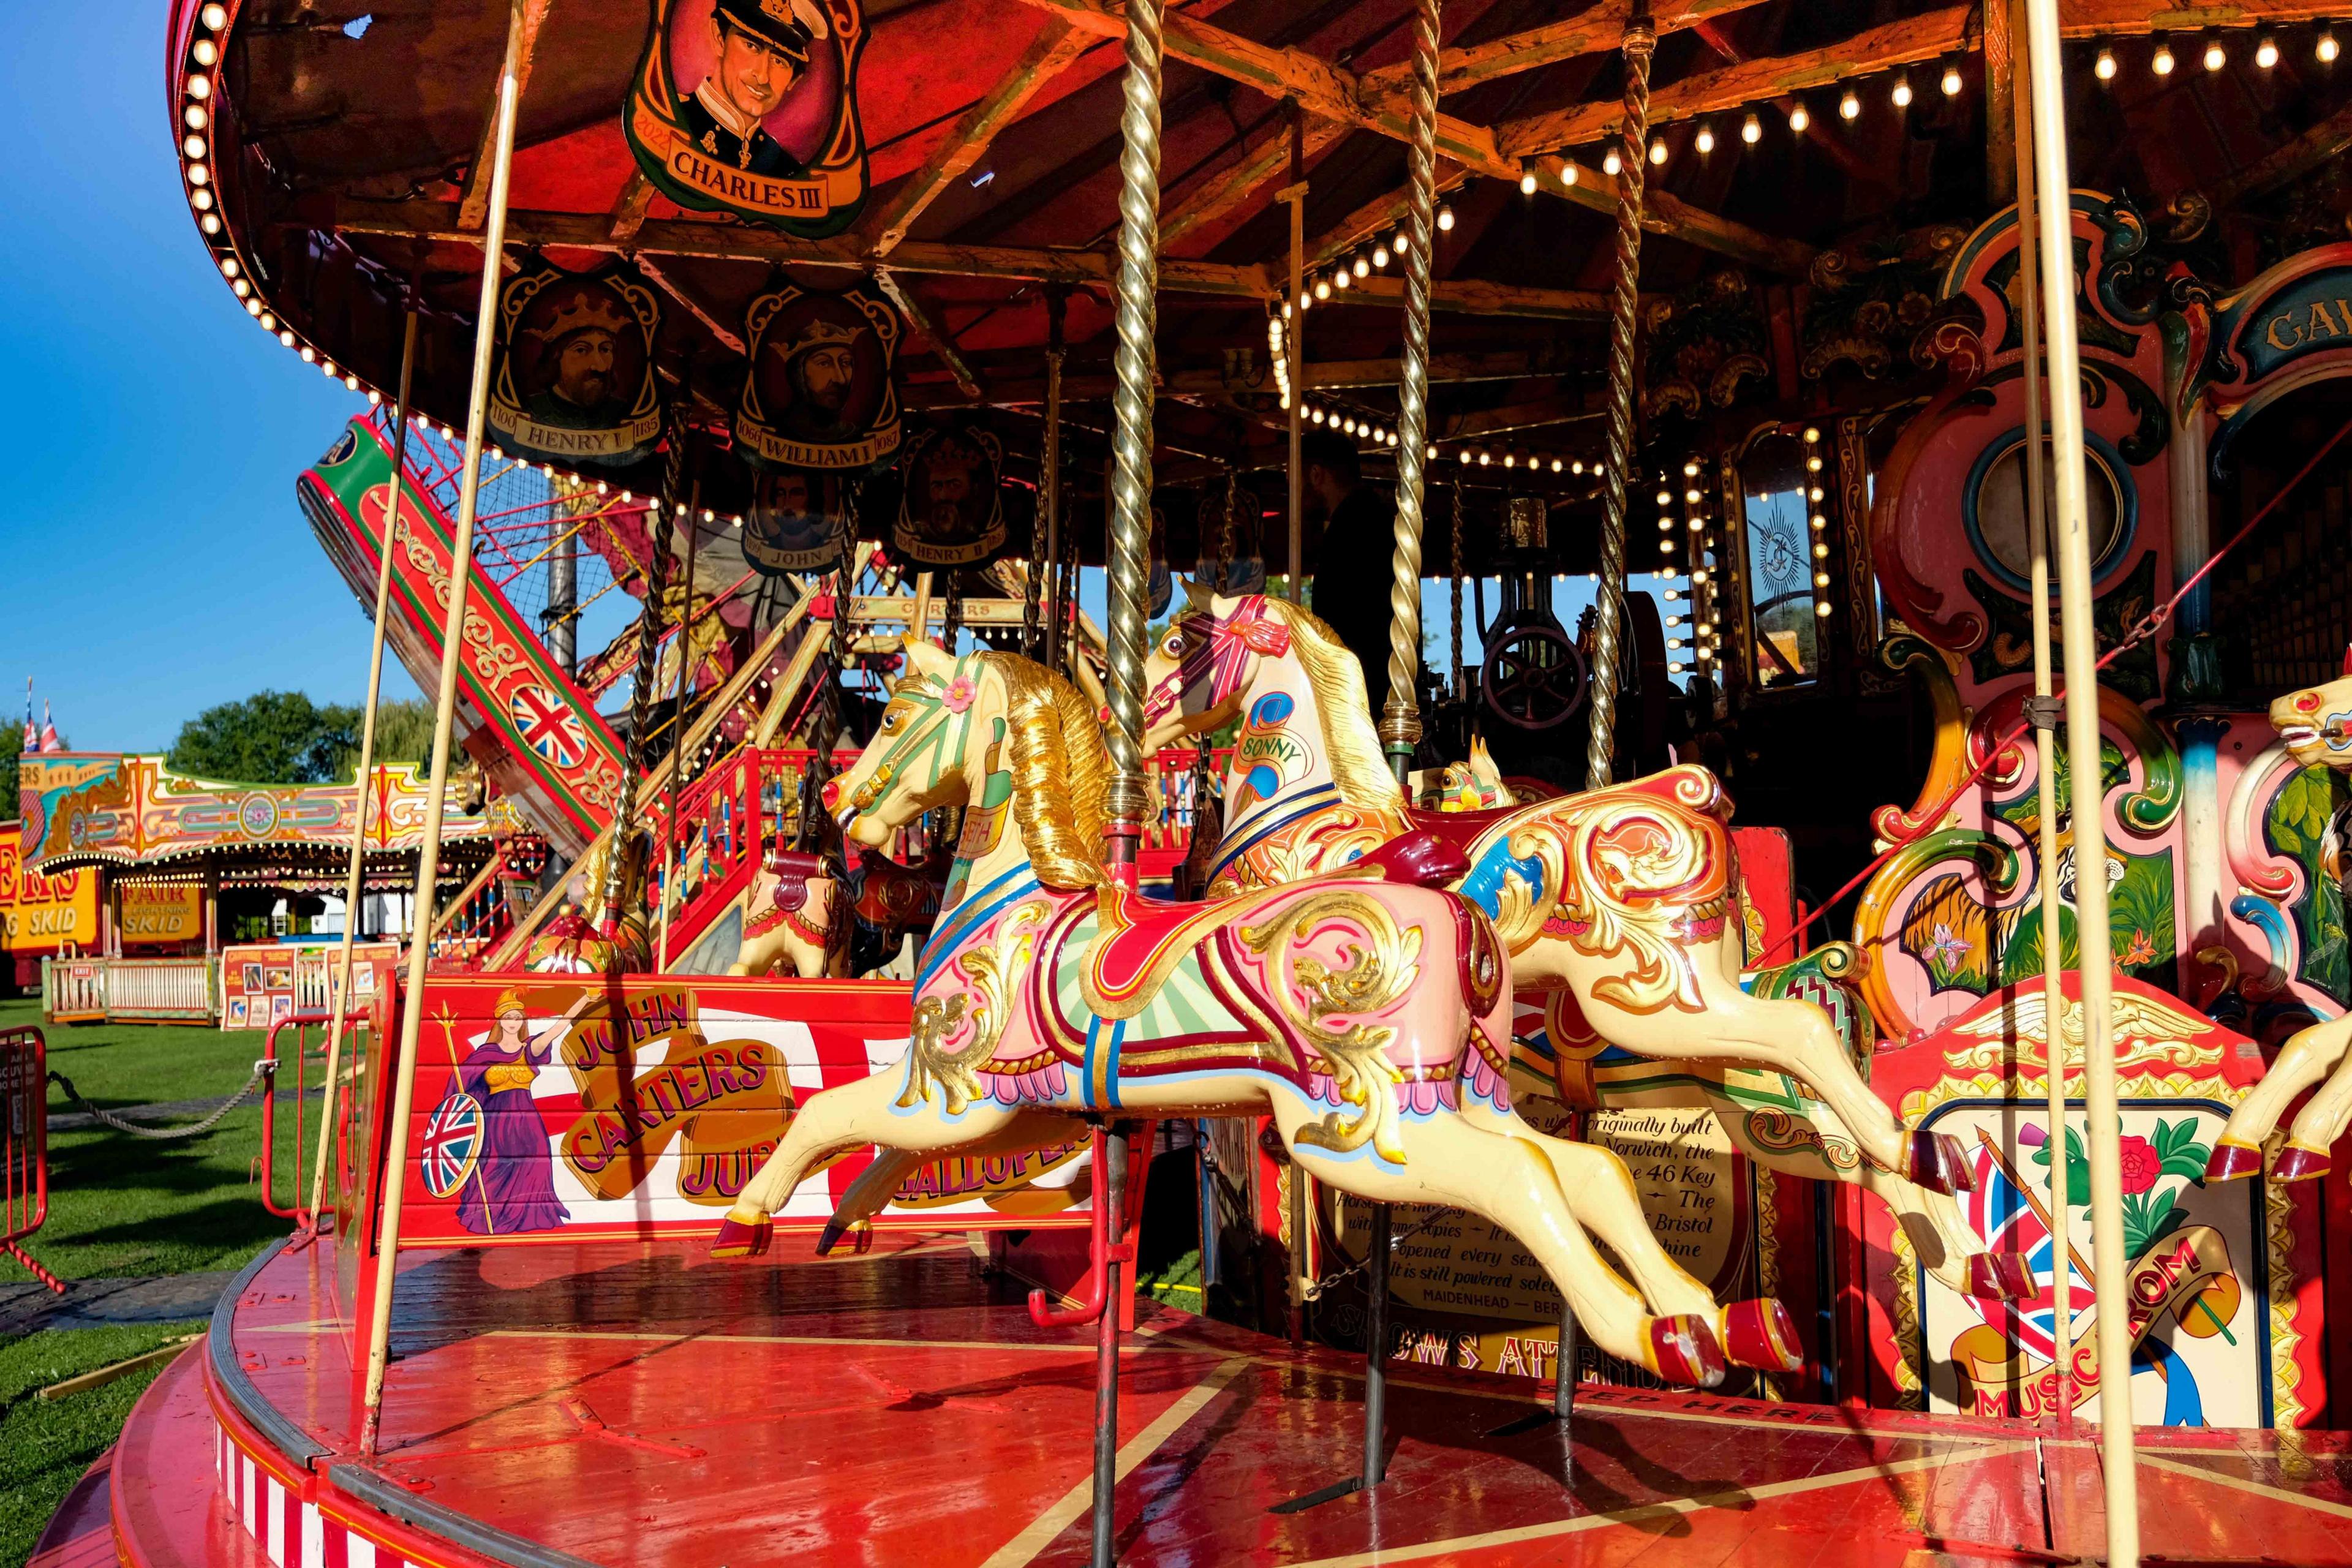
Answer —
(452, 1142)
(548, 725)
(2000, 1210)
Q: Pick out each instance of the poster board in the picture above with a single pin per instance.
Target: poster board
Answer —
(44, 912)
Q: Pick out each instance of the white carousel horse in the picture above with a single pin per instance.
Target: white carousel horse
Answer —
(790, 913)
(1366, 1014)
(1619, 903)
(2315, 727)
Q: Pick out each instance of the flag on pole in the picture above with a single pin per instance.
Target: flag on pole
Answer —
(32, 736)
(49, 741)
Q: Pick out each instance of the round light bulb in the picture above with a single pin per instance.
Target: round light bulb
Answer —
(1751, 131)
(228, 267)
(1510, 459)
(1849, 106)
(1902, 92)
(1658, 150)
(214, 17)
(1820, 549)
(1822, 609)
(1570, 174)
(208, 223)
(1528, 183)
(1821, 579)
(1402, 242)
(1363, 266)
(1577, 467)
(2326, 48)
(198, 175)
(1322, 288)
(1704, 140)
(2162, 62)
(1799, 118)
(200, 87)
(1611, 164)
(1690, 468)
(204, 52)
(1340, 279)
(1951, 82)
(2266, 51)
(2216, 57)
(1812, 433)
(1444, 220)
(1666, 498)
(1464, 455)
(1557, 465)
(1485, 458)
(2103, 67)
(1380, 256)
(195, 117)
(193, 146)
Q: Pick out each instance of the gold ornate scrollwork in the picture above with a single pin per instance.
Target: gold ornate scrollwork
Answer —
(991, 973)
(1311, 994)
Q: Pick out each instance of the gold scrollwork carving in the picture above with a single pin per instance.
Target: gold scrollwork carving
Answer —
(1310, 994)
(992, 971)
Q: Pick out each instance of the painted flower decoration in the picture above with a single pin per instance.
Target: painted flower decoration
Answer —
(2141, 1164)
(960, 694)
(1949, 946)
(2141, 949)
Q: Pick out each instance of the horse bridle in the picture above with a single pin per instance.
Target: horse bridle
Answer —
(938, 736)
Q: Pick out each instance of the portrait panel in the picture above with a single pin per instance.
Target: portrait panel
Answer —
(575, 372)
(818, 389)
(951, 512)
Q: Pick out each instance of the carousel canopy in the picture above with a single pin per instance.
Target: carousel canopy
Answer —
(1810, 167)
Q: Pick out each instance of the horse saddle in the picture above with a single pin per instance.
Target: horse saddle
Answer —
(792, 871)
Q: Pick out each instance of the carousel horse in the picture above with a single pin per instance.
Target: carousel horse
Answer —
(791, 914)
(1619, 903)
(1365, 1012)
(2315, 727)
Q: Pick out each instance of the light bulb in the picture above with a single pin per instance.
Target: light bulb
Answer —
(1485, 458)
(1951, 82)
(2326, 48)
(1820, 521)
(2161, 61)
(1751, 131)
(198, 175)
(1444, 220)
(1821, 579)
(1690, 468)
(193, 146)
(1812, 433)
(1798, 119)
(208, 223)
(1570, 174)
(1433, 449)
(2266, 51)
(1380, 256)
(1402, 242)
(1658, 150)
(1611, 164)
(2103, 67)
(1322, 288)
(2216, 57)
(1464, 455)
(1528, 183)
(1820, 549)
(1363, 266)
(1510, 459)
(200, 87)
(214, 17)
(1339, 280)
(195, 117)
(1557, 465)
(228, 266)
(1902, 93)
(1577, 467)
(1705, 139)
(1666, 498)
(1822, 609)
(1849, 106)
(204, 52)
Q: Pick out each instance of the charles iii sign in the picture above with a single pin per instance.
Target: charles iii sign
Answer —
(750, 107)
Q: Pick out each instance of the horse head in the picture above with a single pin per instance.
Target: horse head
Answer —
(2317, 722)
(917, 761)
(1195, 679)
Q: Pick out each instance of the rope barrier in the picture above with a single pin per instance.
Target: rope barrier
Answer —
(262, 1072)
(2146, 627)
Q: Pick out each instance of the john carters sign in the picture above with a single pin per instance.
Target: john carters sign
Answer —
(2291, 318)
(751, 107)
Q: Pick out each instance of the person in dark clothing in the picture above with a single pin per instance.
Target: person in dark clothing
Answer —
(1352, 556)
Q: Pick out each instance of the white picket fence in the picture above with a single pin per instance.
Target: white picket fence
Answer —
(135, 990)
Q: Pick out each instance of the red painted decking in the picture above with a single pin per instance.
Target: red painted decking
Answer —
(632, 1405)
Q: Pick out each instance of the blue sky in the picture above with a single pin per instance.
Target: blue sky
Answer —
(155, 559)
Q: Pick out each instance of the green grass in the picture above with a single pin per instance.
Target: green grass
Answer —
(45, 1445)
(124, 1205)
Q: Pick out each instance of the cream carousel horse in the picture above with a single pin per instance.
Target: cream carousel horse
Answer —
(790, 915)
(1619, 903)
(1366, 1014)
(2314, 725)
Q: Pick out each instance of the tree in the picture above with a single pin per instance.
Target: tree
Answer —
(271, 737)
(404, 733)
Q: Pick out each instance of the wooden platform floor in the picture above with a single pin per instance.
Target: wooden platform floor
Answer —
(644, 1406)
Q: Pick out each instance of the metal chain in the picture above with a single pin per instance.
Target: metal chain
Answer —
(1315, 1288)
(263, 1071)
(1607, 625)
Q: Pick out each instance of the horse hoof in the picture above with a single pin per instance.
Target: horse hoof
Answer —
(1685, 1351)
(2231, 1160)
(1761, 1333)
(829, 1236)
(738, 1239)
(2001, 1276)
(1938, 1163)
(2297, 1163)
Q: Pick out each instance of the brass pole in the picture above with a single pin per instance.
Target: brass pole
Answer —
(354, 880)
(1401, 715)
(1608, 607)
(1046, 536)
(2044, 714)
(2086, 783)
(453, 642)
(1294, 346)
(673, 861)
(1136, 317)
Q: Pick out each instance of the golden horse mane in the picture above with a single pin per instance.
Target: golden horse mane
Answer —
(1358, 766)
(1061, 773)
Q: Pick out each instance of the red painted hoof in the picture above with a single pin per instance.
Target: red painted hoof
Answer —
(1761, 1333)
(1686, 1352)
(1938, 1163)
(2231, 1161)
(736, 1239)
(2001, 1276)
(2297, 1164)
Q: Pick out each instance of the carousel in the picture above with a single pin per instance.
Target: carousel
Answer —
(1636, 710)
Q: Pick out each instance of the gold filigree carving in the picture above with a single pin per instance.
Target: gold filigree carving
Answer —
(1311, 994)
(992, 971)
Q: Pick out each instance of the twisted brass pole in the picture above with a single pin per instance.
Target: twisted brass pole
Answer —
(1136, 319)
(1401, 715)
(1461, 692)
(624, 809)
(1609, 608)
